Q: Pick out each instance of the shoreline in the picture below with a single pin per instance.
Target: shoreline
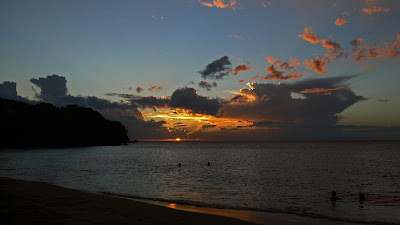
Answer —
(31, 202)
(42, 203)
(250, 215)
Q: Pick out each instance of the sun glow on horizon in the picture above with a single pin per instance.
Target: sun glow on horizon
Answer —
(177, 139)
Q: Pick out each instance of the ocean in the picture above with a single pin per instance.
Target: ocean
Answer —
(275, 177)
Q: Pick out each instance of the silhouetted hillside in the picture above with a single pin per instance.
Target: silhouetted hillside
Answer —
(44, 125)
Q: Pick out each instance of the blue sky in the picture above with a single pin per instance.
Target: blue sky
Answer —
(108, 46)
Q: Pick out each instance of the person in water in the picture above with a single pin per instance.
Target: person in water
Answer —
(362, 197)
(209, 164)
(179, 164)
(334, 198)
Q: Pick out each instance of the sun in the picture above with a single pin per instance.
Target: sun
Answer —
(177, 139)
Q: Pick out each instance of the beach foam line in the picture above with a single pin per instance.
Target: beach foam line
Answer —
(255, 215)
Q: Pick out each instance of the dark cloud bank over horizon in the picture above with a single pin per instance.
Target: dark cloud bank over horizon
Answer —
(273, 111)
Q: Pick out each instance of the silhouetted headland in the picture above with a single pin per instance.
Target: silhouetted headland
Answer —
(44, 125)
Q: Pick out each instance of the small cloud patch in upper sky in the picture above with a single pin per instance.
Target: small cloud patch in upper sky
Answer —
(235, 36)
(310, 36)
(318, 65)
(207, 86)
(218, 69)
(375, 9)
(266, 4)
(236, 58)
(342, 20)
(279, 70)
(220, 4)
(241, 68)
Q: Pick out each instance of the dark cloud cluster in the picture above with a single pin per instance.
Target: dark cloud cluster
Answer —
(207, 86)
(54, 90)
(275, 102)
(8, 90)
(144, 101)
(218, 69)
(276, 115)
(187, 98)
(51, 87)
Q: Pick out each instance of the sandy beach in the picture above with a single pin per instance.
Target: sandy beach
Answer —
(28, 202)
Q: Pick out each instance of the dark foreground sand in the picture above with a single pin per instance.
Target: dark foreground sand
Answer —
(27, 202)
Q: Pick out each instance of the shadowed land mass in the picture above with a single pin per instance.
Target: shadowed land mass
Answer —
(44, 125)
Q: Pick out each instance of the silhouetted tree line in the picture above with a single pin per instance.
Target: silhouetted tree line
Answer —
(44, 125)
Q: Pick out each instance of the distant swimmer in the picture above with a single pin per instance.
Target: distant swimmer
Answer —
(334, 198)
(179, 164)
(209, 164)
(362, 197)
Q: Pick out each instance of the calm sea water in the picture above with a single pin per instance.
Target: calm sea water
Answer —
(289, 177)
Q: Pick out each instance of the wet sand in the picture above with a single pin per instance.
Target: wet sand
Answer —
(28, 202)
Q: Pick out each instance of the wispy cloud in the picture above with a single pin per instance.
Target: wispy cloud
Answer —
(266, 4)
(155, 88)
(323, 91)
(375, 9)
(207, 86)
(235, 36)
(220, 4)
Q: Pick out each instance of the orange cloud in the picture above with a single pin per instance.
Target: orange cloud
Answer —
(275, 74)
(330, 44)
(220, 4)
(292, 64)
(235, 36)
(364, 53)
(336, 49)
(341, 21)
(236, 58)
(255, 76)
(324, 91)
(318, 65)
(357, 42)
(310, 36)
(155, 88)
(139, 89)
(241, 81)
(241, 68)
(375, 9)
(370, 67)
(279, 70)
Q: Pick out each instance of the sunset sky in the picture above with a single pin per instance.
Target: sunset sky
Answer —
(211, 69)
